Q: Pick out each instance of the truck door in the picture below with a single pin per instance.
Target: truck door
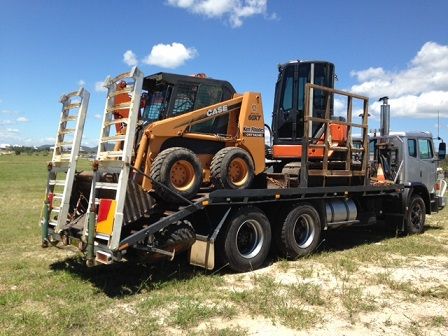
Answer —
(427, 162)
(412, 165)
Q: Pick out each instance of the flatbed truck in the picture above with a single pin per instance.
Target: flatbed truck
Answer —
(319, 175)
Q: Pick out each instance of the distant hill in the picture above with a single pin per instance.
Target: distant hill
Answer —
(85, 149)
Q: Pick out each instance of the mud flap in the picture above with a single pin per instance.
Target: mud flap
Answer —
(202, 252)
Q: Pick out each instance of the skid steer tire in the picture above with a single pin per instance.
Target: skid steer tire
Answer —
(232, 168)
(179, 170)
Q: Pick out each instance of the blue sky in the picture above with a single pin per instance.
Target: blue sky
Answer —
(397, 48)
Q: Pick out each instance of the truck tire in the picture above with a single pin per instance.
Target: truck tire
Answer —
(232, 168)
(300, 232)
(178, 169)
(247, 239)
(416, 215)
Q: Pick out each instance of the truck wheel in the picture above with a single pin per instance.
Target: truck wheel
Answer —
(232, 168)
(247, 240)
(415, 218)
(300, 232)
(179, 170)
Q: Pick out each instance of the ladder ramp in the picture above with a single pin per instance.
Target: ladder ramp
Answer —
(62, 167)
(115, 149)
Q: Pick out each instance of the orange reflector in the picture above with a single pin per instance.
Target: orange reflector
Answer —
(106, 216)
(277, 196)
(205, 203)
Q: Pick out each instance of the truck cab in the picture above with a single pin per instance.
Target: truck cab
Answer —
(410, 158)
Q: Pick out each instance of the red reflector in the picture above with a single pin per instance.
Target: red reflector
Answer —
(50, 199)
(104, 208)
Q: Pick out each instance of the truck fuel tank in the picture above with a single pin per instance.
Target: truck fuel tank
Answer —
(340, 210)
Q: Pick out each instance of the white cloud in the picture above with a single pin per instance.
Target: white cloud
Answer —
(130, 58)
(6, 122)
(170, 55)
(99, 87)
(97, 116)
(418, 91)
(8, 135)
(81, 83)
(22, 119)
(234, 10)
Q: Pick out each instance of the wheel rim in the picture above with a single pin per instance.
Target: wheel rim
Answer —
(182, 175)
(304, 231)
(417, 215)
(238, 171)
(249, 238)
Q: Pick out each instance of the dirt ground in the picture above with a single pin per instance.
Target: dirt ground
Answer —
(399, 312)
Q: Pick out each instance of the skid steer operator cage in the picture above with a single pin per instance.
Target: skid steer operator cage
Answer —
(353, 158)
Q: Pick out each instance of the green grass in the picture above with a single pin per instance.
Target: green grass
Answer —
(50, 291)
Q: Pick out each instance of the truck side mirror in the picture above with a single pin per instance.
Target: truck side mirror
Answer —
(442, 150)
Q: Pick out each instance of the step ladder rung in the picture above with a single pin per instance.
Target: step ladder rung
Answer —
(110, 155)
(64, 144)
(112, 81)
(69, 118)
(110, 165)
(122, 106)
(72, 106)
(57, 195)
(67, 131)
(128, 89)
(56, 209)
(63, 158)
(52, 223)
(354, 149)
(57, 182)
(106, 185)
(114, 138)
(116, 121)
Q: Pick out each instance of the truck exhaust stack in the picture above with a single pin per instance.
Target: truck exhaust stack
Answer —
(385, 116)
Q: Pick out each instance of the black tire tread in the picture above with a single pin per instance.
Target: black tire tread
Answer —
(156, 171)
(411, 229)
(229, 254)
(286, 249)
(216, 166)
